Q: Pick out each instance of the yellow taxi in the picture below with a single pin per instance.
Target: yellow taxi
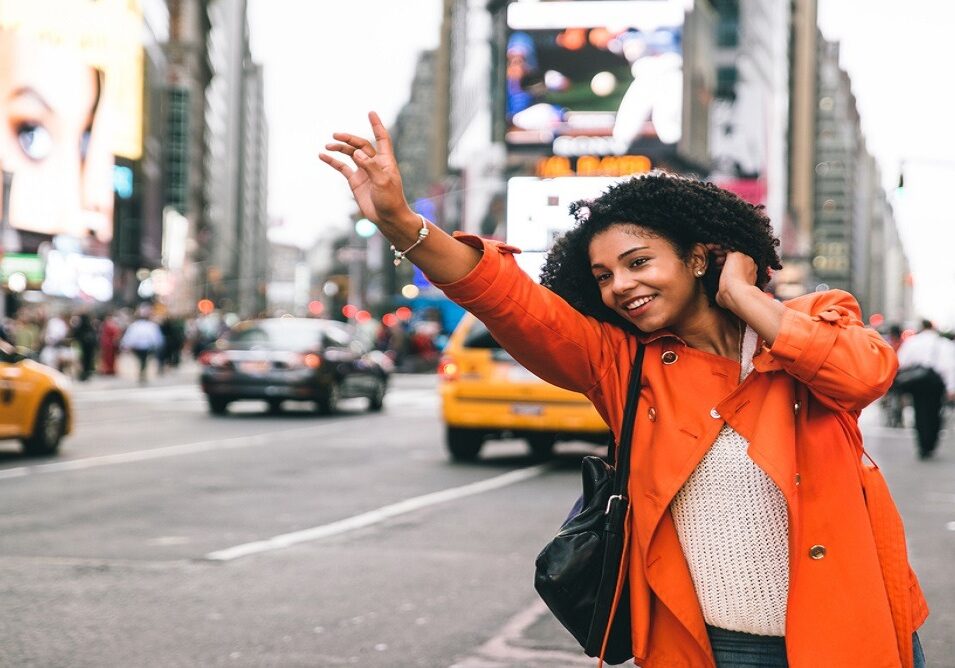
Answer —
(35, 404)
(486, 394)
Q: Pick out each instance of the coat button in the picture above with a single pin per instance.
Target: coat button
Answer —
(817, 551)
(797, 479)
(669, 357)
(714, 414)
(796, 407)
(652, 414)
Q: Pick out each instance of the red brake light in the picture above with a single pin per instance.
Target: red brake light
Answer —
(213, 358)
(448, 369)
(311, 360)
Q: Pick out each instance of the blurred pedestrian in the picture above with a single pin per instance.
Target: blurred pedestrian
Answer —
(57, 351)
(144, 338)
(750, 537)
(85, 335)
(927, 372)
(27, 335)
(109, 337)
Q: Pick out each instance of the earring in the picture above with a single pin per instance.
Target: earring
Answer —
(699, 273)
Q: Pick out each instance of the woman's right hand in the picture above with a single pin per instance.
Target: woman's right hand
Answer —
(375, 180)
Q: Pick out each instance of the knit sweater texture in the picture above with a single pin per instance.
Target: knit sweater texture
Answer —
(733, 525)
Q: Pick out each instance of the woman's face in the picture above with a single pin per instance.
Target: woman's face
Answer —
(48, 98)
(642, 278)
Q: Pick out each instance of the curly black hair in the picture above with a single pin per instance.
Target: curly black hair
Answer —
(681, 210)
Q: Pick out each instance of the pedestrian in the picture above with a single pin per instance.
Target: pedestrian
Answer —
(85, 335)
(143, 338)
(109, 337)
(750, 540)
(934, 358)
(57, 349)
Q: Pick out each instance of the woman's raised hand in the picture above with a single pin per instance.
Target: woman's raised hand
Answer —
(374, 181)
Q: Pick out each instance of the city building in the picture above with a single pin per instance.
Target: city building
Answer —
(235, 172)
(185, 152)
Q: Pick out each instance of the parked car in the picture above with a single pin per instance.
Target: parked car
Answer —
(303, 359)
(486, 394)
(35, 403)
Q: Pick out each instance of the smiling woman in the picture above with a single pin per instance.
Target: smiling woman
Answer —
(750, 535)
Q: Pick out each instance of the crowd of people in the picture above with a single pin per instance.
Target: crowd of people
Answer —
(84, 343)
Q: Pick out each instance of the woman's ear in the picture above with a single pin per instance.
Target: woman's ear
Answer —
(699, 260)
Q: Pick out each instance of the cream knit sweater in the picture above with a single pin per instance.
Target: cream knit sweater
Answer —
(732, 522)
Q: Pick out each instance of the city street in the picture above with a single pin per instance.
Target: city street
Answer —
(163, 536)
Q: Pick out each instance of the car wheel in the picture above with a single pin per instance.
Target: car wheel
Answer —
(328, 404)
(464, 444)
(377, 400)
(218, 405)
(48, 428)
(542, 445)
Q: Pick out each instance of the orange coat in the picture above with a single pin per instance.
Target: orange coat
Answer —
(822, 369)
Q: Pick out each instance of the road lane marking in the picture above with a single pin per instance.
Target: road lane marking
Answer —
(950, 526)
(167, 451)
(504, 648)
(376, 516)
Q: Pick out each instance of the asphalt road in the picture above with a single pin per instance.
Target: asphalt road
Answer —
(163, 536)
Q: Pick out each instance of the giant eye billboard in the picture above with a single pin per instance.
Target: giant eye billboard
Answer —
(601, 77)
(70, 102)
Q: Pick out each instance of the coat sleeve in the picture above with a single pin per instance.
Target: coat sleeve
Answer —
(542, 331)
(823, 344)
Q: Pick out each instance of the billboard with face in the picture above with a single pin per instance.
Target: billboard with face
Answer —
(599, 77)
(70, 102)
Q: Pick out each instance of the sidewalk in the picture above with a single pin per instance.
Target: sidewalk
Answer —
(127, 376)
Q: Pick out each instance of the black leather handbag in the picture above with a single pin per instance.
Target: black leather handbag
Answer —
(577, 572)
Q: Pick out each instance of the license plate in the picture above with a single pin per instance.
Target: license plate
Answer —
(255, 366)
(527, 409)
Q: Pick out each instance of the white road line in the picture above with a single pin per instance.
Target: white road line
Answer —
(376, 516)
(504, 649)
(168, 451)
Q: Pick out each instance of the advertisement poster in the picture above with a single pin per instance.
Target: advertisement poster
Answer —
(538, 213)
(71, 103)
(594, 76)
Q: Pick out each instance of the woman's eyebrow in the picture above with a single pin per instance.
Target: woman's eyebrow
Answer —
(28, 91)
(624, 254)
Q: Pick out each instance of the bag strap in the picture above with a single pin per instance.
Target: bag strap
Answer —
(622, 451)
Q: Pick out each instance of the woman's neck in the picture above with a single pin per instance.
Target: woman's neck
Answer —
(714, 331)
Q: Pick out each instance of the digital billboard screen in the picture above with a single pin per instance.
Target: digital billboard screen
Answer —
(70, 104)
(605, 77)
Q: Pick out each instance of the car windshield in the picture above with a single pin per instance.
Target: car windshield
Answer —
(479, 337)
(282, 334)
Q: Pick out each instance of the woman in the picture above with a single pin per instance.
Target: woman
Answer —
(751, 544)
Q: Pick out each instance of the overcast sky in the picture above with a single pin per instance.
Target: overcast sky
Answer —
(327, 63)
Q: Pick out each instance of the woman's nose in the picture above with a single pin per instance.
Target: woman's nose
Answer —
(622, 283)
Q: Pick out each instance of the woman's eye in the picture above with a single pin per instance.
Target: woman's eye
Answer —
(639, 261)
(601, 277)
(35, 140)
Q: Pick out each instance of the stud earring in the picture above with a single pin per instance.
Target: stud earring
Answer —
(699, 273)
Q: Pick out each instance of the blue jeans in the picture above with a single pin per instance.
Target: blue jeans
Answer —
(733, 649)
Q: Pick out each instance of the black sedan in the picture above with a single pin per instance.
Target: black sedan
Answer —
(299, 359)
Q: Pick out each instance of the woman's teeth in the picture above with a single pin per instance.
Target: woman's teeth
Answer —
(637, 303)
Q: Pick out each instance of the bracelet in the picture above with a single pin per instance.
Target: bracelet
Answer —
(422, 235)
